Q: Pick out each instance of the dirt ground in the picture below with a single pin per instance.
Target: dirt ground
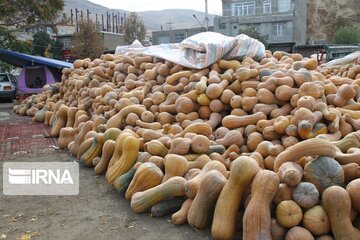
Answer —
(98, 212)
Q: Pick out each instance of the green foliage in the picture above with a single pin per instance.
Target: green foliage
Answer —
(8, 41)
(55, 49)
(134, 28)
(346, 35)
(41, 43)
(19, 13)
(251, 32)
(87, 42)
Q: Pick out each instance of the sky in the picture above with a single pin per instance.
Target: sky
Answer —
(214, 6)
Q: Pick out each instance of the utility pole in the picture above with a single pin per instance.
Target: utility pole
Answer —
(87, 14)
(170, 23)
(76, 19)
(71, 17)
(206, 15)
(102, 22)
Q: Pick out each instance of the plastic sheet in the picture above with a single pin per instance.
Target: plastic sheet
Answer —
(201, 50)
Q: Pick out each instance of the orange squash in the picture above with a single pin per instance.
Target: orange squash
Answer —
(148, 175)
(67, 134)
(175, 165)
(107, 152)
(130, 148)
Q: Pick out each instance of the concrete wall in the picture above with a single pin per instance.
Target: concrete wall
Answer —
(112, 40)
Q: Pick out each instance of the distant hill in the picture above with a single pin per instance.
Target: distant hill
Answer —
(169, 18)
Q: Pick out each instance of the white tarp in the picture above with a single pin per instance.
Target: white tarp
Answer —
(202, 49)
(350, 58)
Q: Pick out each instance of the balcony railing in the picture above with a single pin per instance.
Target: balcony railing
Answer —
(258, 10)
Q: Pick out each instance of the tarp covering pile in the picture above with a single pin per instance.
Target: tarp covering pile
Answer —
(202, 50)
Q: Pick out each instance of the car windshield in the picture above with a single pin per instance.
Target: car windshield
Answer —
(4, 78)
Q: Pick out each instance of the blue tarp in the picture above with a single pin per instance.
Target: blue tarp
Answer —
(21, 60)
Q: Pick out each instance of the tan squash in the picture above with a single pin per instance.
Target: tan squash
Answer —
(242, 172)
(283, 193)
(337, 204)
(314, 146)
(288, 213)
(298, 233)
(147, 176)
(67, 134)
(353, 190)
(257, 216)
(290, 173)
(277, 231)
(175, 165)
(317, 221)
(130, 148)
(143, 201)
(60, 121)
(107, 152)
(200, 144)
(202, 208)
(180, 217)
(192, 186)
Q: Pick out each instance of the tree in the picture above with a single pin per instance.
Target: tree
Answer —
(55, 49)
(346, 35)
(251, 32)
(134, 29)
(20, 13)
(88, 42)
(41, 43)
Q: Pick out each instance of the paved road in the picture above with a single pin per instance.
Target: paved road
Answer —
(96, 213)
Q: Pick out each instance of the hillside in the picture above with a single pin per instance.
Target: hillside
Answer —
(169, 18)
(325, 17)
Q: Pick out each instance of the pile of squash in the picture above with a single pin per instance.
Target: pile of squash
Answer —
(264, 150)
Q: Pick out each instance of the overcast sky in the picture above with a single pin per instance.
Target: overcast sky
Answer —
(214, 6)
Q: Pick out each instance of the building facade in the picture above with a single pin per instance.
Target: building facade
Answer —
(175, 35)
(280, 20)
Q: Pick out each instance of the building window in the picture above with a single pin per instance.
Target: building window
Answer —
(67, 44)
(245, 8)
(267, 6)
(284, 5)
(222, 26)
(279, 29)
(178, 37)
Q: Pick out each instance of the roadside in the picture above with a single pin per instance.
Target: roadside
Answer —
(97, 212)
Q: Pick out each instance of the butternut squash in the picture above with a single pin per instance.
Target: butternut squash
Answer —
(143, 201)
(130, 148)
(257, 216)
(337, 204)
(201, 209)
(242, 172)
(147, 175)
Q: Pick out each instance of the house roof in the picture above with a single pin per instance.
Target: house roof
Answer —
(20, 60)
